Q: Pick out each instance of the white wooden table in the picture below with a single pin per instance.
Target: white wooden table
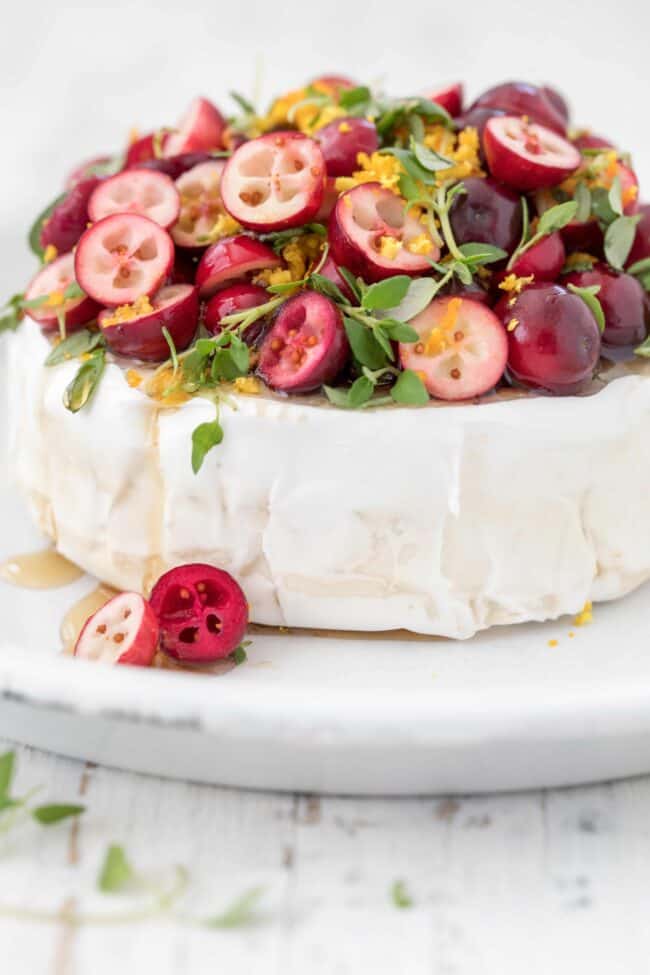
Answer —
(532, 884)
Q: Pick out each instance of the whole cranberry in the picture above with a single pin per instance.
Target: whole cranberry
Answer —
(487, 213)
(544, 260)
(474, 291)
(341, 142)
(521, 98)
(624, 301)
(553, 339)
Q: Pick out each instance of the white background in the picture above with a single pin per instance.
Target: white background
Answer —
(77, 76)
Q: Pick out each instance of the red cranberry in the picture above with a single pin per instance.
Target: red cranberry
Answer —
(624, 300)
(589, 140)
(69, 218)
(543, 260)
(520, 98)
(487, 213)
(230, 301)
(641, 245)
(553, 339)
(558, 101)
(341, 142)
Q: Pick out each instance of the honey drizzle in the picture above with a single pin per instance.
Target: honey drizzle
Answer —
(74, 620)
(46, 569)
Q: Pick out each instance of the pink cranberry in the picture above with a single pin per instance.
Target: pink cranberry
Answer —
(624, 301)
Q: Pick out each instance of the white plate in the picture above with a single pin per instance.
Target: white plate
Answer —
(345, 714)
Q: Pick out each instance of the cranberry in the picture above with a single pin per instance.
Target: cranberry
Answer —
(624, 301)
(555, 342)
(527, 156)
(330, 271)
(151, 194)
(231, 259)
(558, 101)
(124, 631)
(544, 260)
(589, 140)
(175, 166)
(140, 151)
(306, 346)
(487, 213)
(474, 291)
(450, 98)
(175, 307)
(201, 611)
(341, 142)
(55, 278)
(520, 98)
(69, 218)
(236, 298)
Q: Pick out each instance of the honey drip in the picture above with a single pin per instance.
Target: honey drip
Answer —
(39, 570)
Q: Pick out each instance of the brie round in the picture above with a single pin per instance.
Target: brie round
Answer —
(441, 520)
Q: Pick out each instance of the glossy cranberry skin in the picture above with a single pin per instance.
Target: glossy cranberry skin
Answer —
(487, 213)
(69, 219)
(477, 118)
(556, 344)
(473, 291)
(140, 151)
(558, 101)
(341, 142)
(230, 301)
(175, 166)
(449, 98)
(641, 246)
(624, 301)
(543, 260)
(589, 140)
(330, 271)
(521, 98)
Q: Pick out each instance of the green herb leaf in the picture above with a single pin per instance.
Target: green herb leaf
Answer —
(419, 295)
(7, 763)
(247, 107)
(582, 197)
(7, 803)
(55, 812)
(239, 913)
(383, 340)
(364, 345)
(280, 238)
(337, 397)
(171, 345)
(34, 236)
(355, 100)
(326, 287)
(360, 392)
(387, 293)
(619, 238)
(400, 896)
(643, 349)
(79, 343)
(85, 382)
(479, 254)
(204, 438)
(11, 315)
(232, 361)
(116, 872)
(463, 272)
(432, 161)
(601, 207)
(351, 282)
(409, 389)
(414, 169)
(641, 271)
(399, 331)
(616, 196)
(239, 655)
(557, 217)
(588, 295)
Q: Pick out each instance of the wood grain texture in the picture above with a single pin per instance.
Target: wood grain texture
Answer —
(535, 883)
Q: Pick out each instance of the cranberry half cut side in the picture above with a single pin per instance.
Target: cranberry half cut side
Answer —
(142, 191)
(274, 182)
(201, 206)
(526, 156)
(53, 280)
(123, 257)
(175, 307)
(201, 129)
(306, 347)
(124, 631)
(202, 613)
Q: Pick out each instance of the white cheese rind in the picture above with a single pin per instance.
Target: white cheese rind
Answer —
(441, 520)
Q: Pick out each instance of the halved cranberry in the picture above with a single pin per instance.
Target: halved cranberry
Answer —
(200, 129)
(69, 219)
(229, 301)
(123, 257)
(124, 631)
(624, 302)
(137, 331)
(589, 140)
(202, 613)
(231, 259)
(527, 156)
(641, 245)
(487, 213)
(274, 182)
(553, 339)
(543, 260)
(140, 191)
(200, 201)
(520, 98)
(52, 280)
(330, 271)
(462, 349)
(474, 291)
(477, 118)
(140, 151)
(175, 166)
(372, 236)
(450, 98)
(558, 101)
(341, 142)
(306, 346)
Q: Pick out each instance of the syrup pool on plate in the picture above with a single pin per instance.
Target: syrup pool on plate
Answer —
(39, 570)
